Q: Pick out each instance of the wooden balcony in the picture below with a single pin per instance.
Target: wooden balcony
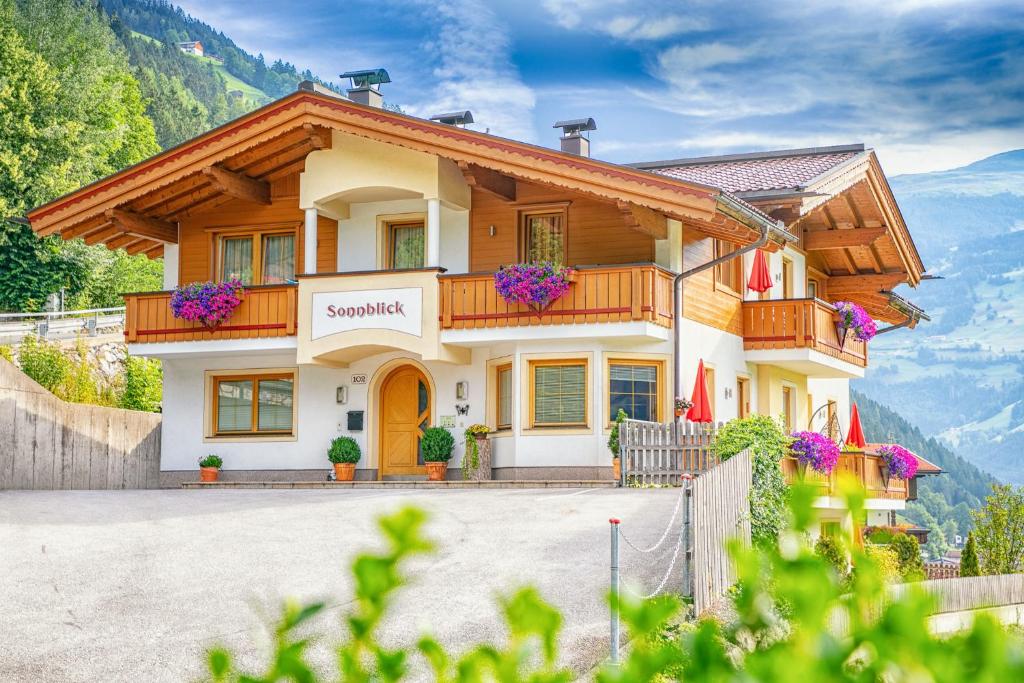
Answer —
(265, 311)
(599, 294)
(867, 470)
(798, 324)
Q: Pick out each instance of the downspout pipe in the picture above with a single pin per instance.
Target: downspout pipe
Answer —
(767, 229)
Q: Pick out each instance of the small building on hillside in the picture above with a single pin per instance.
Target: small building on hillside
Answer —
(191, 47)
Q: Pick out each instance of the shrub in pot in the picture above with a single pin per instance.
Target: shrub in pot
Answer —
(344, 453)
(437, 444)
(613, 444)
(209, 467)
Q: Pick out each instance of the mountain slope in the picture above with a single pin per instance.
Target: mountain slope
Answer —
(960, 377)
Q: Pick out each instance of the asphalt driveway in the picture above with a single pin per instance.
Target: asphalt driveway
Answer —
(135, 585)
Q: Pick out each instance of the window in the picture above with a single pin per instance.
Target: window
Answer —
(787, 278)
(709, 376)
(830, 529)
(264, 258)
(558, 393)
(405, 245)
(788, 406)
(503, 403)
(633, 386)
(543, 236)
(728, 275)
(742, 397)
(253, 405)
(812, 288)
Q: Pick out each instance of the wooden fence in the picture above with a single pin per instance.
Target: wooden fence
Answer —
(653, 453)
(48, 443)
(720, 511)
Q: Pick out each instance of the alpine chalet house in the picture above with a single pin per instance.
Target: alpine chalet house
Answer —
(368, 242)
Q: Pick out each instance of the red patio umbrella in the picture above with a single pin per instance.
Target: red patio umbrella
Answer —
(856, 435)
(760, 277)
(700, 411)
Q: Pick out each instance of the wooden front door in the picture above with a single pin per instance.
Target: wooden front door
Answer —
(404, 414)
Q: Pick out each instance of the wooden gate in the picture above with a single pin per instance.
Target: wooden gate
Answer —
(654, 453)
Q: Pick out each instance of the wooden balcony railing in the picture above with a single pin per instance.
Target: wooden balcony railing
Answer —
(796, 324)
(865, 468)
(265, 311)
(600, 294)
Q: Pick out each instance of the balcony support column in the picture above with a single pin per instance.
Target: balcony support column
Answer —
(309, 242)
(433, 246)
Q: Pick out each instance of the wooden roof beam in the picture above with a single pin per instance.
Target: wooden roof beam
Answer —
(642, 219)
(143, 246)
(820, 240)
(238, 185)
(839, 285)
(143, 226)
(497, 184)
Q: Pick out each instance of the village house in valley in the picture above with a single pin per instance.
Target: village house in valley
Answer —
(368, 241)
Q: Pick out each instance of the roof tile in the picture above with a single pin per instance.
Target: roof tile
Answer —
(752, 175)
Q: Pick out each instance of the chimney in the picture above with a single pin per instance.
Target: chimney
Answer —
(459, 119)
(574, 139)
(366, 86)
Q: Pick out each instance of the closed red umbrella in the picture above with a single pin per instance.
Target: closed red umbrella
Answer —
(700, 411)
(760, 277)
(856, 435)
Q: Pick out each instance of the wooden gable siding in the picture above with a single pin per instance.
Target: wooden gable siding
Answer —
(596, 232)
(196, 239)
(702, 302)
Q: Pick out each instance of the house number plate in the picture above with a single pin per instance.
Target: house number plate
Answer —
(447, 421)
(358, 379)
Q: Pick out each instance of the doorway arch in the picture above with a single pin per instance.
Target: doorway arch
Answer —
(404, 410)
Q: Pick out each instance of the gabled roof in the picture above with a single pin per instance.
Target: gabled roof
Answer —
(789, 170)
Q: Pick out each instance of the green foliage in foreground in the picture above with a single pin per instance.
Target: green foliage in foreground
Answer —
(768, 444)
(881, 642)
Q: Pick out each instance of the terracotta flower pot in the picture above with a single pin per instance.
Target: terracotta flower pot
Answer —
(436, 471)
(208, 473)
(344, 471)
(616, 468)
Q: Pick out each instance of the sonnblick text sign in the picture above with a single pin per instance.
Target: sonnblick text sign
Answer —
(400, 310)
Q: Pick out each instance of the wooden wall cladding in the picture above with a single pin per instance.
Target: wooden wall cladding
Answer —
(702, 302)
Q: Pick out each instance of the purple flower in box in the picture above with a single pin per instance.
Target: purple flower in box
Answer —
(816, 451)
(208, 303)
(853, 317)
(536, 285)
(902, 463)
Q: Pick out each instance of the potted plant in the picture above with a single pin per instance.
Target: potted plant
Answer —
(344, 453)
(476, 464)
(207, 303)
(536, 285)
(850, 316)
(814, 450)
(613, 444)
(896, 461)
(209, 467)
(437, 445)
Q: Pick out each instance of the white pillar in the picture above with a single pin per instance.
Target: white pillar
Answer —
(433, 255)
(170, 266)
(309, 252)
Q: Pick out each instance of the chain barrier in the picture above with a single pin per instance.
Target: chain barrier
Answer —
(671, 521)
(680, 537)
(664, 580)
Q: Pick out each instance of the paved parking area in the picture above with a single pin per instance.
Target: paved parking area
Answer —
(135, 585)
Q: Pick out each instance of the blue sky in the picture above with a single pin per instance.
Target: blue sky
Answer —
(930, 84)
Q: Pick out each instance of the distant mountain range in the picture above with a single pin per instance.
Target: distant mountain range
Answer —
(960, 377)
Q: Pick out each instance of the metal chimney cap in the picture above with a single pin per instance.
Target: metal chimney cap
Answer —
(455, 118)
(572, 126)
(365, 78)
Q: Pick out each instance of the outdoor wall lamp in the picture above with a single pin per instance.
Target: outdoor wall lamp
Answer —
(461, 390)
(341, 394)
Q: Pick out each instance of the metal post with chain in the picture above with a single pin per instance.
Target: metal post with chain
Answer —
(614, 523)
(685, 533)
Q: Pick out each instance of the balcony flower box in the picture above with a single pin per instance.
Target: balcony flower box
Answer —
(814, 450)
(850, 316)
(897, 461)
(536, 285)
(207, 303)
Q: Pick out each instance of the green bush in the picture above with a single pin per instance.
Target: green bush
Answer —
(344, 449)
(768, 444)
(886, 561)
(44, 362)
(7, 353)
(829, 549)
(211, 461)
(613, 435)
(969, 558)
(143, 384)
(81, 384)
(908, 551)
(437, 444)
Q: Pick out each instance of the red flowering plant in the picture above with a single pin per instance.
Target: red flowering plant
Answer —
(536, 285)
(854, 317)
(901, 463)
(815, 450)
(208, 303)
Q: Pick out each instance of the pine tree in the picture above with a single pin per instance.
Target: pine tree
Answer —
(969, 559)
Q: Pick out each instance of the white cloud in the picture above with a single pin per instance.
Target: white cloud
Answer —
(629, 21)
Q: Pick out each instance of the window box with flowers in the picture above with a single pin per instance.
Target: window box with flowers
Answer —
(896, 461)
(207, 303)
(536, 285)
(852, 317)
